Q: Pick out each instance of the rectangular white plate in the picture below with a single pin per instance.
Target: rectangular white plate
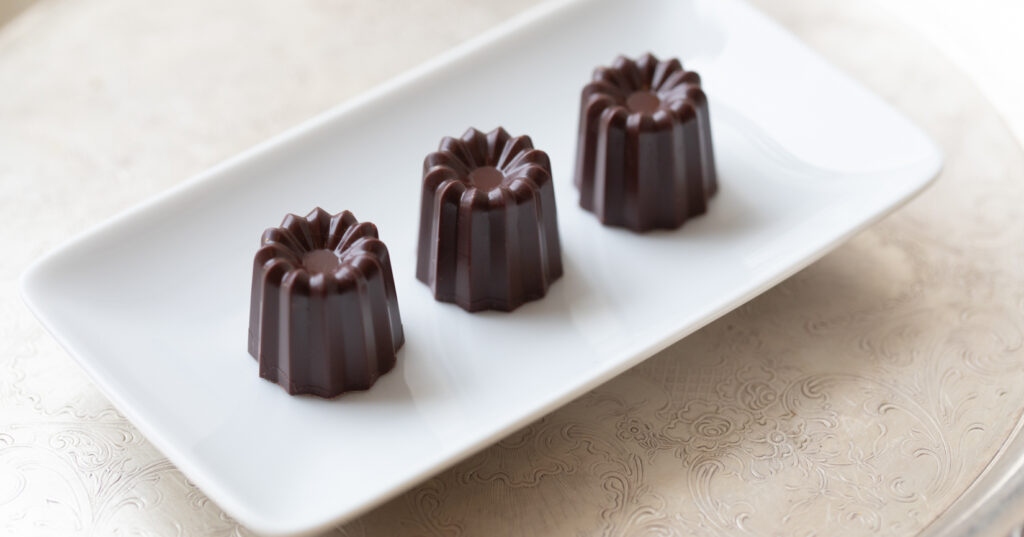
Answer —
(154, 303)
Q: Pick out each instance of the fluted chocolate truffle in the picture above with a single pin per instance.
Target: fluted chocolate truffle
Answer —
(644, 158)
(323, 319)
(488, 230)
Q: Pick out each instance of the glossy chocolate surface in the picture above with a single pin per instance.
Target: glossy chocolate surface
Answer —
(645, 158)
(323, 318)
(488, 229)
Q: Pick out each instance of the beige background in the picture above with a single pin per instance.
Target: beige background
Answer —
(861, 396)
(10, 9)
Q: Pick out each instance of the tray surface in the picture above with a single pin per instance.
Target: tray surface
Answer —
(154, 303)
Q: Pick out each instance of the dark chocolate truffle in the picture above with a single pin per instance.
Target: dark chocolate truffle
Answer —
(488, 229)
(324, 317)
(644, 158)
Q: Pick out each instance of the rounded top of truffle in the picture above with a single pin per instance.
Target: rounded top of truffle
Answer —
(320, 250)
(493, 168)
(646, 87)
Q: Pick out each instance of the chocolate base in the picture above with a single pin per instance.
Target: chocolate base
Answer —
(488, 228)
(323, 317)
(645, 157)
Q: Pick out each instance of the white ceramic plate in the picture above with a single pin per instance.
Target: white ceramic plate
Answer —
(154, 303)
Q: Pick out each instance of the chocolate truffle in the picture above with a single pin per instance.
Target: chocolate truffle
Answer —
(324, 317)
(488, 230)
(644, 158)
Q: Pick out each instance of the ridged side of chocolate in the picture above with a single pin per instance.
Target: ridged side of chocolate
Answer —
(485, 244)
(645, 163)
(319, 324)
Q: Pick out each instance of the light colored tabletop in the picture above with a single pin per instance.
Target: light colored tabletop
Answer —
(862, 396)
